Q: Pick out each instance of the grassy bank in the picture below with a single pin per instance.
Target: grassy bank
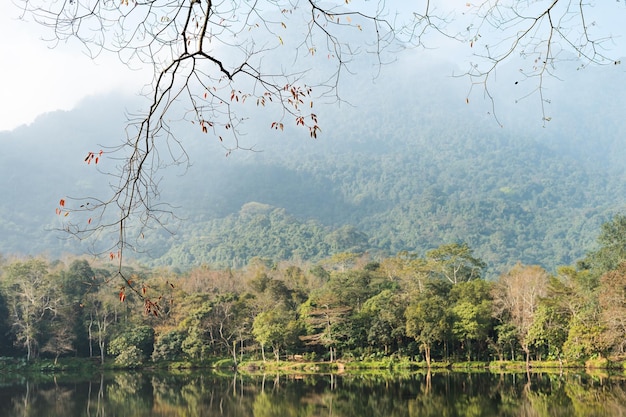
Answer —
(86, 367)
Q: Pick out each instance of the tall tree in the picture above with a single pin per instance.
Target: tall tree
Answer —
(322, 314)
(575, 292)
(32, 301)
(428, 319)
(612, 247)
(384, 317)
(516, 297)
(472, 314)
(454, 262)
(277, 328)
(612, 302)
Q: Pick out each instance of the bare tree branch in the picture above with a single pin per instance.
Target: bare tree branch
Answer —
(213, 59)
(209, 58)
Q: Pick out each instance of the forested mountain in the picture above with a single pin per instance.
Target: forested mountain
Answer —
(407, 164)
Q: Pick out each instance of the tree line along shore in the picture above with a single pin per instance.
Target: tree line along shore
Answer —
(431, 310)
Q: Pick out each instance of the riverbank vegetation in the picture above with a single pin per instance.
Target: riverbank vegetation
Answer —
(408, 310)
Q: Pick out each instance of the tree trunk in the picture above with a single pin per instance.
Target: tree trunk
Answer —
(90, 336)
(427, 354)
(28, 349)
(262, 352)
(527, 353)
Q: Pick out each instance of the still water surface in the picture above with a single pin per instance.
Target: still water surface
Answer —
(360, 395)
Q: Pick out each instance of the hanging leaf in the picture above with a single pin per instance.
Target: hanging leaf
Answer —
(62, 202)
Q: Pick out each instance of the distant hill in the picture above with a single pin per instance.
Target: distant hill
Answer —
(408, 166)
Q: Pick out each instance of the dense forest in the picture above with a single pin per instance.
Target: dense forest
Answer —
(425, 172)
(411, 233)
(435, 307)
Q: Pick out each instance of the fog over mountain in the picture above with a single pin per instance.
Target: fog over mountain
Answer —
(404, 164)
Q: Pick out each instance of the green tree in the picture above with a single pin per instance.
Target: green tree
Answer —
(277, 328)
(132, 347)
(428, 320)
(168, 346)
(455, 263)
(323, 315)
(76, 282)
(472, 314)
(612, 250)
(551, 323)
(548, 331)
(575, 292)
(32, 301)
(384, 319)
(196, 327)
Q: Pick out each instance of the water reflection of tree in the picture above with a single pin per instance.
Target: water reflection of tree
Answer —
(596, 396)
(96, 408)
(349, 395)
(129, 391)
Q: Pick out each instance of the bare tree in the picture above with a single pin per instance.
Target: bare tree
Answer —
(535, 36)
(211, 60)
(516, 297)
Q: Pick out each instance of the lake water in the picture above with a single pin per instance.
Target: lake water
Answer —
(199, 394)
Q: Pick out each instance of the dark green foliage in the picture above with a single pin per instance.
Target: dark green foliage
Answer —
(437, 307)
(169, 346)
(612, 246)
(7, 340)
(133, 346)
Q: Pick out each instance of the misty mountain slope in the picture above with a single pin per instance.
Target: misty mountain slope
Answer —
(406, 166)
(510, 202)
(424, 173)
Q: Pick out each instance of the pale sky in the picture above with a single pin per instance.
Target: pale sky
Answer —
(35, 79)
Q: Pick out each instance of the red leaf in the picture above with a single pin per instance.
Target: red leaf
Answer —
(62, 202)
